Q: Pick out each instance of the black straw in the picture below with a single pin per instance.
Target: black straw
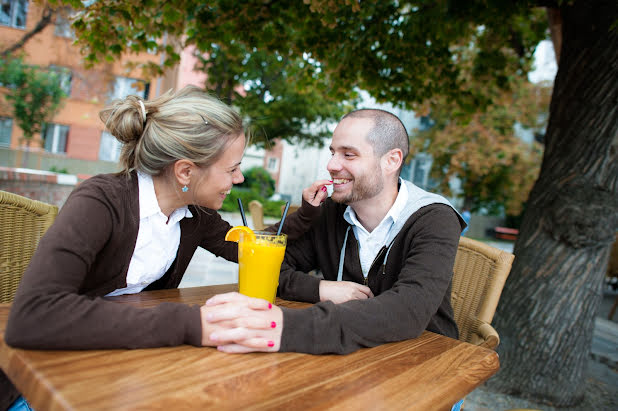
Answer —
(285, 212)
(242, 213)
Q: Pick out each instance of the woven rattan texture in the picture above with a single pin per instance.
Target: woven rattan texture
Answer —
(479, 274)
(22, 223)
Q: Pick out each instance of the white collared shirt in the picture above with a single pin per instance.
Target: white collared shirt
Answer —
(157, 242)
(369, 244)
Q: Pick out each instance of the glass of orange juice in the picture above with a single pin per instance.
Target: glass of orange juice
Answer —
(259, 263)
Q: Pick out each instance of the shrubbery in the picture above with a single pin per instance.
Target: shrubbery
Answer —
(258, 185)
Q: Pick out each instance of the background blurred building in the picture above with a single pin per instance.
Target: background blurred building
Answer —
(74, 139)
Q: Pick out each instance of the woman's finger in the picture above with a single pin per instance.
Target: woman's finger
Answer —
(234, 297)
(250, 345)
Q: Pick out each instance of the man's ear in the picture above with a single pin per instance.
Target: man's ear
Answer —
(391, 161)
(183, 170)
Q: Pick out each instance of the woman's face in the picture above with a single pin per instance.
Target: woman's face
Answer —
(218, 179)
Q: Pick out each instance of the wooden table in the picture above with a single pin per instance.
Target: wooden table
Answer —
(431, 372)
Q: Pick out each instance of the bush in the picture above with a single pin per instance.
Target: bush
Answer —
(230, 204)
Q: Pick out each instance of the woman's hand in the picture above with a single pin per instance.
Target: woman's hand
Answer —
(238, 324)
(316, 193)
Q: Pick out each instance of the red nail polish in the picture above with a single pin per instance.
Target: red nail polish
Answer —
(273, 324)
(271, 343)
(270, 306)
(323, 188)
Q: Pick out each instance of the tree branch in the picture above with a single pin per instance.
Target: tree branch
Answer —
(555, 28)
(44, 22)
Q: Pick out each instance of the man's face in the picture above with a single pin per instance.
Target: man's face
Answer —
(354, 168)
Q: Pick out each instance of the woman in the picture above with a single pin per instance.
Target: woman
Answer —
(138, 229)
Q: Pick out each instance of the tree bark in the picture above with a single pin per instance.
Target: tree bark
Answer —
(555, 30)
(546, 314)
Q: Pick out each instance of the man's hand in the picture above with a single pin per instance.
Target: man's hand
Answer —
(316, 193)
(342, 291)
(238, 324)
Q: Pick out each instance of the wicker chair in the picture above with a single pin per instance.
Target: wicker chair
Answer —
(22, 223)
(257, 215)
(479, 274)
(292, 209)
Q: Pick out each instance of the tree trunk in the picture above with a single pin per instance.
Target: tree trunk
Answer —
(546, 314)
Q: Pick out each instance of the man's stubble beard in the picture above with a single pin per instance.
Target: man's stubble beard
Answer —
(365, 186)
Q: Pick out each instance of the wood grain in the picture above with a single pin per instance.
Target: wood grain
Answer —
(429, 372)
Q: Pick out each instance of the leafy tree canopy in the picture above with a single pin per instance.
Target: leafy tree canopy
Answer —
(34, 94)
(496, 168)
(298, 61)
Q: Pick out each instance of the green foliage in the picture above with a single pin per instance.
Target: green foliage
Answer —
(258, 185)
(271, 208)
(62, 170)
(259, 181)
(297, 61)
(496, 168)
(33, 93)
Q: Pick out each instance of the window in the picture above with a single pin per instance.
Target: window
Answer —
(65, 75)
(273, 164)
(109, 150)
(55, 137)
(63, 25)
(124, 86)
(13, 13)
(6, 127)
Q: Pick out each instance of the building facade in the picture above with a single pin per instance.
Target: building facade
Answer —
(74, 140)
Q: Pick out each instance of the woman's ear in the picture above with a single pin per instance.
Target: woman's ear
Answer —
(391, 161)
(183, 170)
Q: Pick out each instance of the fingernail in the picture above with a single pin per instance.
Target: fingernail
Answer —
(330, 181)
(209, 316)
(322, 201)
(323, 188)
(273, 324)
(271, 343)
(214, 337)
(270, 306)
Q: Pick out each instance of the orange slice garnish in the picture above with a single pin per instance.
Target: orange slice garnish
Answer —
(235, 232)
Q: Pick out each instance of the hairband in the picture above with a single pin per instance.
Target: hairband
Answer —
(141, 104)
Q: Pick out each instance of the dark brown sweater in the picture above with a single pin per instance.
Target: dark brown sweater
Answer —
(85, 255)
(412, 291)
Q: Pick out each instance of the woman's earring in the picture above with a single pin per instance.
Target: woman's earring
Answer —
(185, 189)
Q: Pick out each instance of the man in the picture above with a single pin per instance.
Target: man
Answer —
(385, 247)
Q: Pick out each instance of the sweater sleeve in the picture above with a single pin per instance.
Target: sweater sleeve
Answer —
(400, 313)
(294, 282)
(50, 310)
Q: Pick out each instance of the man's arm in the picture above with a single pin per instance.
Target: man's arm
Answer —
(294, 281)
(400, 313)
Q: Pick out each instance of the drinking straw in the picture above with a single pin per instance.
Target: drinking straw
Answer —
(242, 213)
(285, 212)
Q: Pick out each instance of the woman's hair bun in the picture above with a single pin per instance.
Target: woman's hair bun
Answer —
(124, 119)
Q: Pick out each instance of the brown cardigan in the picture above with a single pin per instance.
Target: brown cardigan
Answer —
(85, 255)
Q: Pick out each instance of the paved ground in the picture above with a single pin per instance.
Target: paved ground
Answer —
(601, 377)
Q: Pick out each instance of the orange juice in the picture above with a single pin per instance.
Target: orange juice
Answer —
(259, 263)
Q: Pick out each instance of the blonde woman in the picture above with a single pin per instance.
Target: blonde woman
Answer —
(138, 229)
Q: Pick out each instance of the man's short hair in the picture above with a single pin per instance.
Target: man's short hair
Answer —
(387, 133)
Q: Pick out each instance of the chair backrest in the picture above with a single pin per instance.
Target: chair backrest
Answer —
(22, 223)
(257, 214)
(291, 210)
(479, 274)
